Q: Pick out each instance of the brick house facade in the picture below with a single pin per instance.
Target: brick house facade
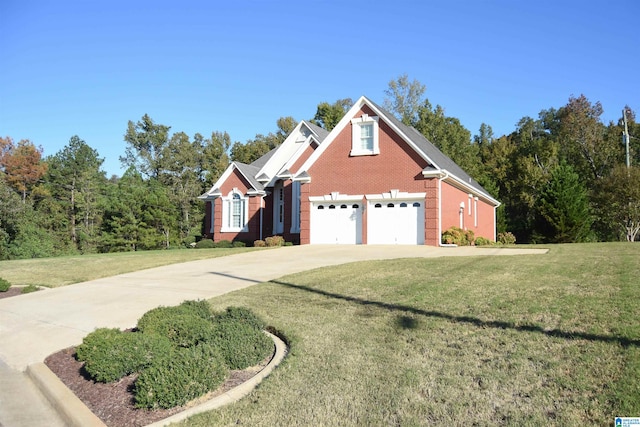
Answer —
(371, 180)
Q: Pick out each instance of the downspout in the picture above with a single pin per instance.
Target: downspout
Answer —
(442, 178)
(261, 212)
(495, 223)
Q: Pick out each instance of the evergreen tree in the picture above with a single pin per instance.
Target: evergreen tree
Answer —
(562, 210)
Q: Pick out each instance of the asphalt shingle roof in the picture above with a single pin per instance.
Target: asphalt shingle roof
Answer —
(440, 160)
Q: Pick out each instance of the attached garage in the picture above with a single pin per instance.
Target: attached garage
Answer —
(395, 222)
(336, 223)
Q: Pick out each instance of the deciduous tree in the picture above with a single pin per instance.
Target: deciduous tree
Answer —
(617, 201)
(328, 115)
(22, 164)
(404, 98)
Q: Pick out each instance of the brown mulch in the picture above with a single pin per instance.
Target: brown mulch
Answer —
(12, 292)
(113, 403)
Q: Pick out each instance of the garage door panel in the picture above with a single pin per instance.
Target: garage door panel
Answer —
(395, 222)
(336, 223)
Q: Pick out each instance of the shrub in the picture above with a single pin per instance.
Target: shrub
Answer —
(259, 244)
(30, 288)
(205, 244)
(240, 344)
(183, 329)
(274, 241)
(454, 236)
(110, 354)
(181, 376)
(458, 236)
(4, 285)
(483, 241)
(288, 243)
(151, 318)
(239, 244)
(243, 315)
(225, 244)
(470, 237)
(506, 238)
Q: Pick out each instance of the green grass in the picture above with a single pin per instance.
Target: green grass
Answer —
(61, 271)
(520, 341)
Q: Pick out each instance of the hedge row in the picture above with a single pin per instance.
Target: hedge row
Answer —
(179, 352)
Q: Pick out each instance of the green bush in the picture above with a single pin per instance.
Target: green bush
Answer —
(30, 288)
(506, 238)
(483, 241)
(183, 329)
(181, 376)
(205, 244)
(110, 354)
(274, 241)
(259, 244)
(240, 344)
(150, 321)
(239, 244)
(4, 285)
(225, 244)
(288, 243)
(242, 315)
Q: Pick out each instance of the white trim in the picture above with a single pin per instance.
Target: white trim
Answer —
(295, 206)
(443, 177)
(336, 197)
(396, 195)
(475, 211)
(356, 136)
(227, 215)
(212, 204)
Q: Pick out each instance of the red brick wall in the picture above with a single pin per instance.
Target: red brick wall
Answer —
(396, 167)
(451, 199)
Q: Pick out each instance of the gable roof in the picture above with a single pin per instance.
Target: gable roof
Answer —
(261, 172)
(439, 163)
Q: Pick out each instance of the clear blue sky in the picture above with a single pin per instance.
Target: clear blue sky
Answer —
(86, 68)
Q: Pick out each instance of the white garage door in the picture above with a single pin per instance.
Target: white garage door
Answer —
(339, 223)
(397, 222)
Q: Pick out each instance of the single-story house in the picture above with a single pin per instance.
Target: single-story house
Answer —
(371, 180)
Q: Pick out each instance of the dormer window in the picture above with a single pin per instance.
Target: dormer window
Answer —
(364, 140)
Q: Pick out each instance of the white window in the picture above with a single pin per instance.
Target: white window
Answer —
(235, 215)
(475, 211)
(295, 207)
(364, 136)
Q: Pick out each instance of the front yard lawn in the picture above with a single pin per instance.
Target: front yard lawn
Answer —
(526, 340)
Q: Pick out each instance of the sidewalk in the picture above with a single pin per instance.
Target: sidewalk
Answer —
(35, 325)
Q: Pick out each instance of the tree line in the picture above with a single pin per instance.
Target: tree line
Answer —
(561, 177)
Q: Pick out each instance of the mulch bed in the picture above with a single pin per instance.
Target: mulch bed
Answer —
(113, 403)
(12, 292)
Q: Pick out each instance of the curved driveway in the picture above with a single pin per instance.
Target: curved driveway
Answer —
(35, 325)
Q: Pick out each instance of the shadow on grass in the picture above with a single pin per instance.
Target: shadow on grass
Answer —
(410, 323)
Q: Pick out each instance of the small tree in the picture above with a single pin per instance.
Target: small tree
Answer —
(562, 210)
(617, 201)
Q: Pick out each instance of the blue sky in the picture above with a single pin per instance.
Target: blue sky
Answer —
(86, 68)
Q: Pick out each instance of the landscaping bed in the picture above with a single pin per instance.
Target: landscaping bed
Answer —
(175, 358)
(114, 402)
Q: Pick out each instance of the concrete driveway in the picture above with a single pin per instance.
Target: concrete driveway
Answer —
(35, 325)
